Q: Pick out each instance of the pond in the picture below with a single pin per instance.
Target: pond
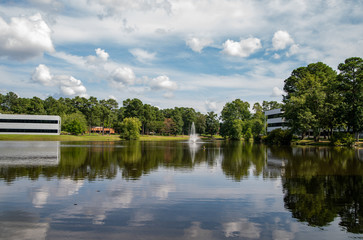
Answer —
(177, 190)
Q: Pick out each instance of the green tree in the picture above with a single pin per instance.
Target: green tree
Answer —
(200, 123)
(75, 123)
(107, 112)
(36, 106)
(237, 109)
(236, 129)
(309, 103)
(269, 105)
(178, 120)
(130, 128)
(212, 123)
(351, 88)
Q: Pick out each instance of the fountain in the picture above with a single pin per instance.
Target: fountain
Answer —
(193, 137)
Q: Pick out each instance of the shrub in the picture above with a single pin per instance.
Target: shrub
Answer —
(279, 137)
(342, 139)
(130, 129)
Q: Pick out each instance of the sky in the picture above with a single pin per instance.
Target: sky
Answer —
(171, 53)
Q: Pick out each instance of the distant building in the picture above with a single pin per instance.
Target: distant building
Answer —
(100, 130)
(30, 124)
(275, 120)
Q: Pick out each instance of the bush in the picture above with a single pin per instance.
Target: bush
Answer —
(342, 139)
(130, 129)
(279, 137)
(74, 123)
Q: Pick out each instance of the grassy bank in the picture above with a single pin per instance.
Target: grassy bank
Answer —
(19, 137)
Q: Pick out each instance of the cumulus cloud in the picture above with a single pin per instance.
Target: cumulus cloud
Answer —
(123, 76)
(163, 83)
(197, 44)
(142, 55)
(102, 54)
(24, 38)
(68, 85)
(71, 86)
(281, 40)
(277, 92)
(243, 48)
(42, 75)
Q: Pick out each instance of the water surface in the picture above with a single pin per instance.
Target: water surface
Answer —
(164, 190)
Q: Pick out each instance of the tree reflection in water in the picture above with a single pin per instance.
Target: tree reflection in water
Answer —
(320, 184)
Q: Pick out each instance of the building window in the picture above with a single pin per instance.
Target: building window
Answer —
(5, 130)
(29, 121)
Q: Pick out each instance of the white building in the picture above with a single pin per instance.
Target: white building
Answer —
(30, 124)
(275, 120)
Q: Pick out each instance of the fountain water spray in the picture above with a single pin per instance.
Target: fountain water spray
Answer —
(193, 137)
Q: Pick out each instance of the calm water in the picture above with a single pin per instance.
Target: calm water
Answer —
(173, 190)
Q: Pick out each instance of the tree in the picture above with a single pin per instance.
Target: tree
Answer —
(212, 123)
(310, 103)
(130, 129)
(107, 112)
(236, 129)
(75, 123)
(266, 105)
(200, 123)
(169, 127)
(351, 88)
(232, 111)
(178, 120)
(189, 116)
(36, 106)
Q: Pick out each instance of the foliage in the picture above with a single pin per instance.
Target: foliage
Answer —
(236, 129)
(130, 128)
(234, 110)
(350, 80)
(342, 139)
(170, 127)
(279, 137)
(311, 101)
(74, 123)
(212, 123)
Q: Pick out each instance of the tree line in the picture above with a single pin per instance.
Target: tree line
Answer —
(79, 114)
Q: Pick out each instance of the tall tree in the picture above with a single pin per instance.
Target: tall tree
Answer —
(309, 103)
(107, 112)
(236, 109)
(212, 123)
(134, 108)
(351, 88)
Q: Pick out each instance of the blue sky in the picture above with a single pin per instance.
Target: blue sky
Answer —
(169, 53)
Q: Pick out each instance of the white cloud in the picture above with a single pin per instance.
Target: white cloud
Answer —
(71, 86)
(163, 83)
(142, 55)
(24, 38)
(102, 54)
(243, 48)
(277, 92)
(281, 40)
(68, 85)
(42, 75)
(123, 76)
(197, 44)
